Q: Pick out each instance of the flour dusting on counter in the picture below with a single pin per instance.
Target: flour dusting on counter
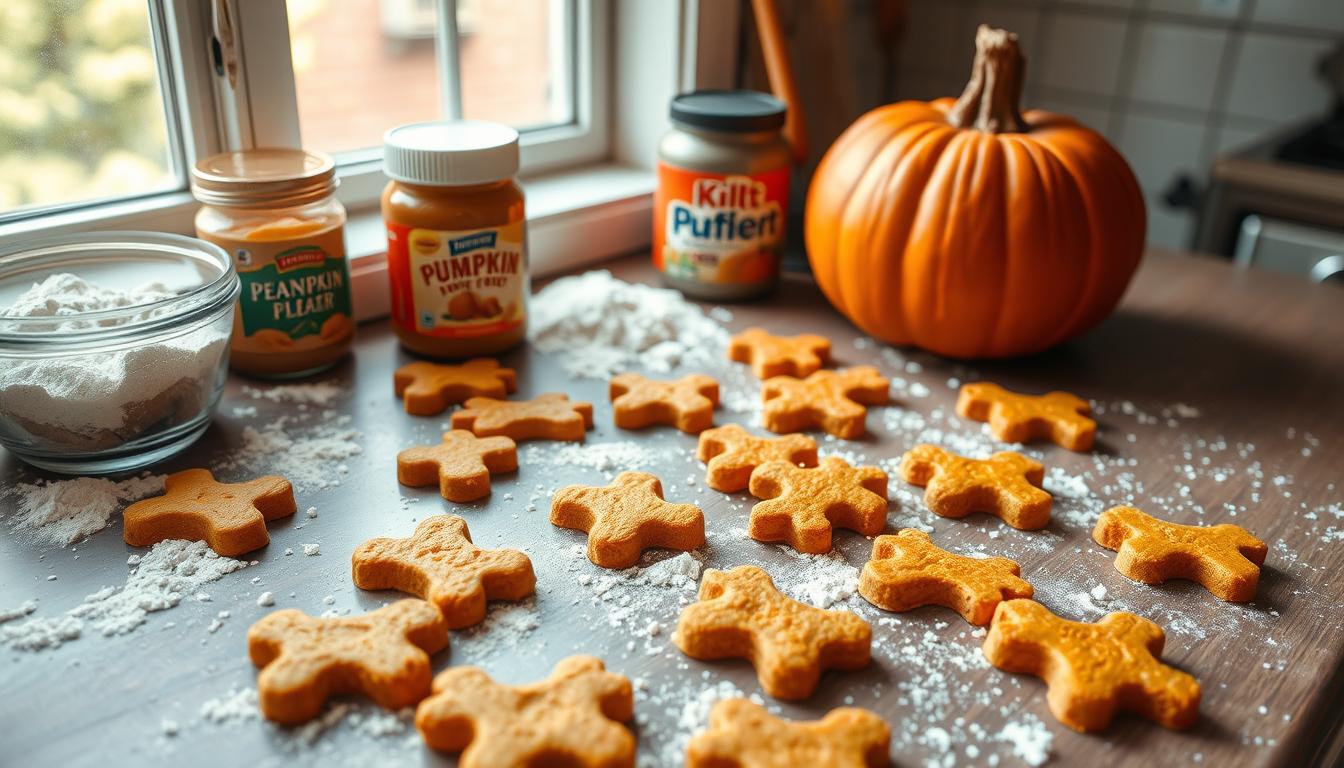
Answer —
(606, 326)
(62, 512)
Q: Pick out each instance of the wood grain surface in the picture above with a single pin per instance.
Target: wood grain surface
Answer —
(1219, 399)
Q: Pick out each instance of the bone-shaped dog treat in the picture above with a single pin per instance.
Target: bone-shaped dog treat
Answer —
(573, 718)
(383, 655)
(1225, 558)
(1093, 670)
(802, 505)
(440, 564)
(908, 570)
(627, 517)
(548, 417)
(731, 453)
(229, 517)
(742, 734)
(740, 614)
(1017, 418)
(461, 464)
(429, 388)
(687, 403)
(770, 355)
(830, 400)
(1006, 485)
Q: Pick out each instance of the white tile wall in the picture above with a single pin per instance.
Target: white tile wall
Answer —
(1082, 52)
(1216, 10)
(934, 39)
(1308, 14)
(1274, 77)
(1178, 64)
(1160, 149)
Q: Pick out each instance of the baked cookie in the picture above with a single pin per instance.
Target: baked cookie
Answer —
(830, 400)
(229, 517)
(1006, 485)
(770, 355)
(627, 517)
(383, 655)
(440, 564)
(908, 570)
(742, 734)
(1093, 670)
(1225, 558)
(547, 417)
(573, 718)
(802, 505)
(731, 453)
(687, 403)
(429, 388)
(461, 464)
(740, 614)
(1017, 418)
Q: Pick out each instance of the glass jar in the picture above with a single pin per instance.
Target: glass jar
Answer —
(275, 212)
(723, 191)
(456, 238)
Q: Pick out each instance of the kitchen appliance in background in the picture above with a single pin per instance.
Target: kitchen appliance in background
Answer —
(1279, 204)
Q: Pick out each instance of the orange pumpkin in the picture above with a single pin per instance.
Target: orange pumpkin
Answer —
(970, 229)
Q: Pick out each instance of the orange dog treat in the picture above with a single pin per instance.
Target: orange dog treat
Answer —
(802, 505)
(771, 355)
(440, 564)
(572, 718)
(742, 615)
(549, 417)
(1093, 670)
(627, 517)
(908, 570)
(742, 734)
(687, 403)
(1225, 558)
(1016, 418)
(831, 400)
(429, 388)
(731, 453)
(383, 655)
(461, 464)
(1006, 485)
(229, 517)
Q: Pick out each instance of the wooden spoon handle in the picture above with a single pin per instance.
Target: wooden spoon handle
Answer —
(780, 73)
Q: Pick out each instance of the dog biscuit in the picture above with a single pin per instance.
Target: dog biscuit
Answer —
(770, 355)
(803, 505)
(1225, 558)
(731, 453)
(551, 416)
(687, 403)
(740, 614)
(573, 718)
(1017, 418)
(830, 400)
(383, 655)
(743, 734)
(229, 517)
(627, 517)
(440, 564)
(429, 388)
(1006, 485)
(461, 464)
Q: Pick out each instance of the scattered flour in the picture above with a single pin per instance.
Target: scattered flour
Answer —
(821, 581)
(310, 457)
(606, 326)
(23, 609)
(159, 580)
(321, 393)
(1030, 741)
(240, 705)
(604, 457)
(62, 512)
(106, 397)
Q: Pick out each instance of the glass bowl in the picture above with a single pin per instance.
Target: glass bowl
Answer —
(115, 389)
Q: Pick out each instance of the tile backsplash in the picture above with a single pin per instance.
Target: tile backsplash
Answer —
(1169, 82)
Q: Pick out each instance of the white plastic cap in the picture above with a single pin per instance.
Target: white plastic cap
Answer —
(450, 153)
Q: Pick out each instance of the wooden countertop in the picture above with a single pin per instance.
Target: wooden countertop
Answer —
(1218, 391)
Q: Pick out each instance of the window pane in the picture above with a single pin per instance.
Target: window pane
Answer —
(361, 67)
(515, 61)
(81, 103)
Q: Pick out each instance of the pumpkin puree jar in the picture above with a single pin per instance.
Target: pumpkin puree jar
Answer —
(456, 238)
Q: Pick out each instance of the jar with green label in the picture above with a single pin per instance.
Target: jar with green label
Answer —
(275, 212)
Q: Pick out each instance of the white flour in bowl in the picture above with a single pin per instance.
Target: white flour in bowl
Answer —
(103, 399)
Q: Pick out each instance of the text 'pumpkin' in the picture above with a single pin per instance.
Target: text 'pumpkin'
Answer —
(969, 228)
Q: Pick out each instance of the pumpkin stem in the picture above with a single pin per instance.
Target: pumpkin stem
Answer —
(993, 96)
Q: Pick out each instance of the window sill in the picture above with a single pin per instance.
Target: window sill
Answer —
(575, 217)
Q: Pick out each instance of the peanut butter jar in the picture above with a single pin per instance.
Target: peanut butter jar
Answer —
(274, 212)
(456, 238)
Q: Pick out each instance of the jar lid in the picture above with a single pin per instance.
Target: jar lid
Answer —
(273, 178)
(450, 153)
(733, 111)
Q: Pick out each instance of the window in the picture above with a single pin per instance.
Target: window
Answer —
(83, 100)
